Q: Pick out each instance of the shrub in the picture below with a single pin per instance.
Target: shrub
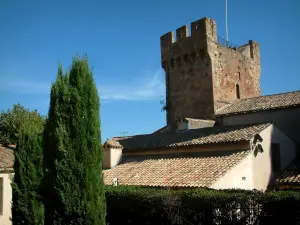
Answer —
(138, 205)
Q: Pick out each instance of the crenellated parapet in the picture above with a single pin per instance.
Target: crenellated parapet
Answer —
(203, 32)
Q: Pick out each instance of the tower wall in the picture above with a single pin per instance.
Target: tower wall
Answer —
(202, 75)
(235, 68)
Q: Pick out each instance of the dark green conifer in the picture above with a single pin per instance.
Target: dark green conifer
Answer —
(73, 182)
(27, 205)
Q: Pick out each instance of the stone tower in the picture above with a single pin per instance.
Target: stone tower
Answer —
(204, 72)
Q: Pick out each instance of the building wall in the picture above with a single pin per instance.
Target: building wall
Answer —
(106, 158)
(256, 168)
(230, 69)
(239, 177)
(111, 157)
(287, 120)
(262, 172)
(7, 198)
(201, 74)
(204, 148)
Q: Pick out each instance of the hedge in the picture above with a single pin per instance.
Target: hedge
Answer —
(138, 205)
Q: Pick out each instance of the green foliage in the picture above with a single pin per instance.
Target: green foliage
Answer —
(73, 182)
(27, 207)
(137, 205)
(12, 121)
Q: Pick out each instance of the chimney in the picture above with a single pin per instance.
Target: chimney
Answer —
(112, 154)
(190, 124)
(182, 125)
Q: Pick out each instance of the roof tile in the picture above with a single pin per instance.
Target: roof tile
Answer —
(267, 102)
(200, 170)
(291, 175)
(194, 137)
(6, 158)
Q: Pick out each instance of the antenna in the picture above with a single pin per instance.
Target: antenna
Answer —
(123, 133)
(226, 26)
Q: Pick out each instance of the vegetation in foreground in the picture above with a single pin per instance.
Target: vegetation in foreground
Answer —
(27, 206)
(73, 183)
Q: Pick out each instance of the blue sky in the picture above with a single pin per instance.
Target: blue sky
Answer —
(122, 41)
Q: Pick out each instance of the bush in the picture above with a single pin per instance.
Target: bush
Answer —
(137, 205)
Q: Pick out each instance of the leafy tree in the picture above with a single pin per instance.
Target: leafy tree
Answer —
(73, 182)
(27, 207)
(12, 121)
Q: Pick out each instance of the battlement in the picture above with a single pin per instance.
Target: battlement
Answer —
(200, 29)
(203, 31)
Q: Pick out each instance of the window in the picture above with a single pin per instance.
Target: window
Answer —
(1, 195)
(275, 157)
(239, 75)
(238, 91)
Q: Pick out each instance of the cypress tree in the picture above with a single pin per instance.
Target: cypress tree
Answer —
(27, 206)
(73, 182)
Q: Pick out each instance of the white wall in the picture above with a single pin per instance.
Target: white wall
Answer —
(287, 120)
(262, 171)
(115, 156)
(234, 177)
(257, 168)
(7, 198)
(112, 157)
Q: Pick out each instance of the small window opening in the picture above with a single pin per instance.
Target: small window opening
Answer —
(239, 75)
(238, 96)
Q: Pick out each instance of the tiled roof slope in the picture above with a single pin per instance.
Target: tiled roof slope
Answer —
(6, 158)
(291, 175)
(209, 135)
(262, 103)
(166, 171)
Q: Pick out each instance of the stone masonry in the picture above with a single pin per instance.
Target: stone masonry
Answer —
(203, 75)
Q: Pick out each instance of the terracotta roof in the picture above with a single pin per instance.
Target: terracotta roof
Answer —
(262, 103)
(291, 175)
(6, 157)
(200, 170)
(194, 137)
(112, 143)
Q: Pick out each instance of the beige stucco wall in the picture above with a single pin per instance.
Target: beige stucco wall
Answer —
(106, 158)
(287, 120)
(112, 156)
(262, 172)
(256, 168)
(7, 197)
(234, 177)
